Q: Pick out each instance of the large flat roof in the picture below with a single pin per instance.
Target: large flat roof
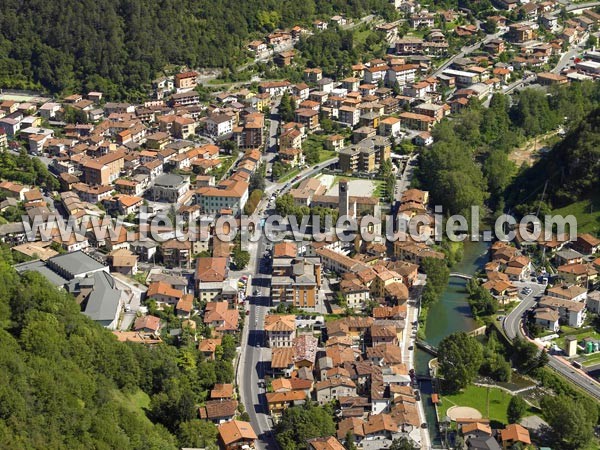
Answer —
(76, 263)
(41, 268)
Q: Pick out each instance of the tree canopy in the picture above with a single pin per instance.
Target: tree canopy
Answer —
(459, 357)
(69, 383)
(572, 421)
(117, 47)
(300, 423)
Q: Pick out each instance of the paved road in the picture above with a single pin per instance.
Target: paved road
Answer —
(403, 182)
(565, 59)
(512, 322)
(465, 51)
(580, 6)
(512, 328)
(408, 346)
(252, 363)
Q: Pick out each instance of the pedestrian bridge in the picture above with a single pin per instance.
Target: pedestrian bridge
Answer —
(464, 276)
(427, 347)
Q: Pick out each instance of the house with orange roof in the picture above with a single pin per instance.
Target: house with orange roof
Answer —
(231, 194)
(218, 411)
(381, 426)
(163, 293)
(580, 274)
(279, 401)
(236, 435)
(325, 443)
(475, 430)
(221, 391)
(282, 361)
(147, 324)
(220, 318)
(208, 347)
(514, 434)
(123, 261)
(518, 268)
(185, 306)
(210, 274)
(280, 329)
(586, 244)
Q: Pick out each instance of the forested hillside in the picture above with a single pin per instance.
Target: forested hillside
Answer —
(67, 383)
(117, 45)
(572, 168)
(469, 163)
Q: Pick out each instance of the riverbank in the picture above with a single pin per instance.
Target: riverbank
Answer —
(450, 314)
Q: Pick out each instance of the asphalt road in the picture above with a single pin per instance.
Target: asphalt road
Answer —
(403, 181)
(465, 51)
(253, 364)
(565, 59)
(512, 328)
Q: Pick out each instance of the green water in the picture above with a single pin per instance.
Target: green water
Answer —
(450, 314)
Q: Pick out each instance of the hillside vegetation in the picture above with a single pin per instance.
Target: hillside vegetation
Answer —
(572, 172)
(67, 383)
(117, 46)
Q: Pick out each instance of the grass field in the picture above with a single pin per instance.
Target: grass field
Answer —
(592, 360)
(288, 176)
(136, 402)
(579, 334)
(587, 213)
(493, 408)
(324, 155)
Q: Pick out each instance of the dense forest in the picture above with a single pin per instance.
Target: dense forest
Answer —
(68, 383)
(572, 168)
(469, 164)
(117, 46)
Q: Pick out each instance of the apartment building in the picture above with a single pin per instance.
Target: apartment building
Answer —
(104, 170)
(280, 329)
(228, 194)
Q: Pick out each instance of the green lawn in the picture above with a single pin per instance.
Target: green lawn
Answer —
(477, 397)
(579, 334)
(592, 360)
(288, 176)
(136, 402)
(587, 213)
(324, 155)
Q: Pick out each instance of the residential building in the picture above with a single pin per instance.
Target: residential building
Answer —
(170, 188)
(572, 313)
(221, 318)
(163, 293)
(586, 244)
(218, 125)
(280, 330)
(186, 80)
(229, 194)
(103, 170)
(547, 318)
(211, 273)
(349, 116)
(218, 411)
(568, 292)
(236, 435)
(176, 253)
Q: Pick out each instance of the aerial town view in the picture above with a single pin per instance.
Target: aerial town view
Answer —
(300, 225)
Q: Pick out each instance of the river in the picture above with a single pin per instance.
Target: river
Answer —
(450, 314)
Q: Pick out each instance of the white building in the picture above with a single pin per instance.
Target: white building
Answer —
(219, 125)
